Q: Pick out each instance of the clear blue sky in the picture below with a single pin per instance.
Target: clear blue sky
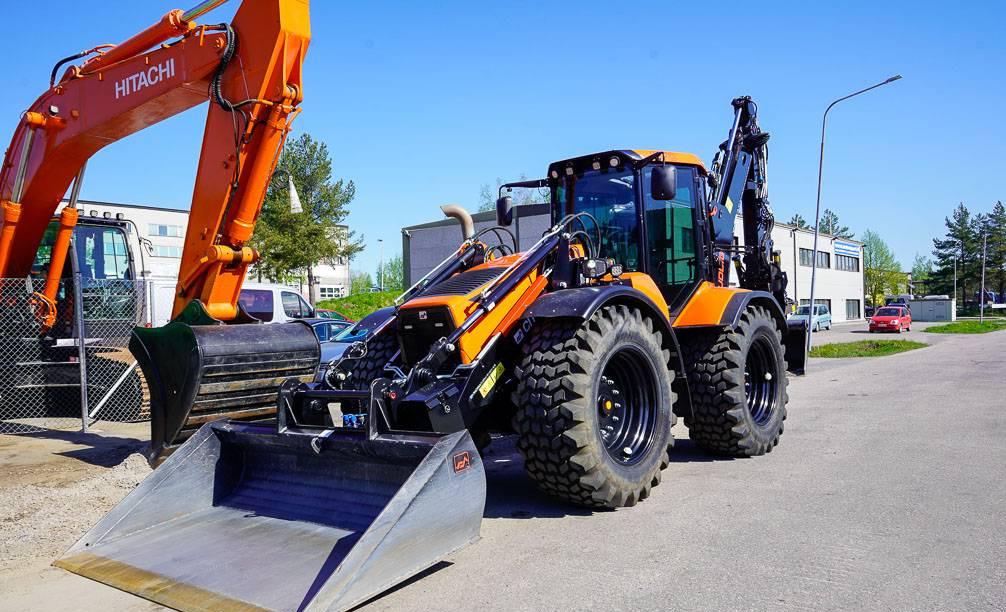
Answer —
(421, 103)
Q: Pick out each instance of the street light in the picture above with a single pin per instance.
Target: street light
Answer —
(817, 212)
(380, 269)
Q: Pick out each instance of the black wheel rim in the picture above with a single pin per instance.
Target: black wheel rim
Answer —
(761, 380)
(627, 405)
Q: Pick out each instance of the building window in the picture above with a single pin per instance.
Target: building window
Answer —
(174, 231)
(807, 256)
(851, 308)
(328, 292)
(844, 262)
(159, 250)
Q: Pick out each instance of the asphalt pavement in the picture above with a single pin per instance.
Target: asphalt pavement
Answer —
(887, 492)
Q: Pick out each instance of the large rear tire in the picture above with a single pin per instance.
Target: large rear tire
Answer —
(594, 408)
(738, 386)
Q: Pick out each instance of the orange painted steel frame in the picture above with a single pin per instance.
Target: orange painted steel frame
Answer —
(128, 89)
(706, 306)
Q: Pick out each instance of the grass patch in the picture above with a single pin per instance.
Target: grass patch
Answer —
(968, 327)
(359, 305)
(865, 348)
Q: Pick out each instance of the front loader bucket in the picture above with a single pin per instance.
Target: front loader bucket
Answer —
(199, 370)
(243, 518)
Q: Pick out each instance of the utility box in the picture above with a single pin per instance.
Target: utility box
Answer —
(933, 310)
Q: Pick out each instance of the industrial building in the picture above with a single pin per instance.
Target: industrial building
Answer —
(839, 274)
(162, 232)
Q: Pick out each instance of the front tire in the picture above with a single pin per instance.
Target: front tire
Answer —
(594, 409)
(738, 386)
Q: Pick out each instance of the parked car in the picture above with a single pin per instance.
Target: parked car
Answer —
(274, 303)
(891, 318)
(328, 313)
(822, 316)
(338, 342)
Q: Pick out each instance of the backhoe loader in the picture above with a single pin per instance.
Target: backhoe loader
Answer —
(587, 346)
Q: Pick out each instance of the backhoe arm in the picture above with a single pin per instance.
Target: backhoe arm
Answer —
(739, 182)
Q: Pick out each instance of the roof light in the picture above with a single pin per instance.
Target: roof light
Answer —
(614, 161)
(94, 213)
(569, 170)
(119, 216)
(555, 174)
(106, 215)
(596, 165)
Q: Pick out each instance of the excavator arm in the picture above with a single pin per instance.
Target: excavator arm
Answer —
(250, 70)
(197, 368)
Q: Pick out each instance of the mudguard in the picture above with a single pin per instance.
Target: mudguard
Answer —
(794, 333)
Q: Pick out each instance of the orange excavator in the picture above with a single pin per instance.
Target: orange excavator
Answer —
(250, 72)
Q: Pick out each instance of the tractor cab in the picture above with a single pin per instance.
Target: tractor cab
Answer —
(648, 207)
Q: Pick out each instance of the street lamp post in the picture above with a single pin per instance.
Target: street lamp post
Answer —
(380, 269)
(981, 294)
(817, 212)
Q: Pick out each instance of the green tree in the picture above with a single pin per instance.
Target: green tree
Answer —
(922, 269)
(832, 226)
(798, 221)
(291, 243)
(959, 248)
(394, 275)
(360, 282)
(882, 273)
(522, 196)
(996, 265)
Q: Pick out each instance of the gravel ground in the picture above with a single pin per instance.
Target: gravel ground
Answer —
(56, 485)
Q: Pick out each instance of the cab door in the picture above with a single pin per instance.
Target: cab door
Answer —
(672, 242)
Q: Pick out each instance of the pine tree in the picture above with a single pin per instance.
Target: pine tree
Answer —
(797, 220)
(996, 265)
(832, 226)
(958, 245)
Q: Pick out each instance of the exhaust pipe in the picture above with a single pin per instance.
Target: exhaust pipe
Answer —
(464, 218)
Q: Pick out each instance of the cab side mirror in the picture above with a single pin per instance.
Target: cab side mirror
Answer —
(504, 211)
(662, 182)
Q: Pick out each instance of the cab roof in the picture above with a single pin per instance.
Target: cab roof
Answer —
(585, 162)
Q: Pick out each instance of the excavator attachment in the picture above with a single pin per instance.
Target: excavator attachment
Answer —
(200, 370)
(244, 518)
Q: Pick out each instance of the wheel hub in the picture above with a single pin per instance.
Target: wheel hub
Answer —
(626, 406)
(761, 386)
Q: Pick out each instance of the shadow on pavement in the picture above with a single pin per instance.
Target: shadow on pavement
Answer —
(103, 450)
(401, 585)
(686, 451)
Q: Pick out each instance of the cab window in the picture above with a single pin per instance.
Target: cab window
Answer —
(670, 235)
(295, 306)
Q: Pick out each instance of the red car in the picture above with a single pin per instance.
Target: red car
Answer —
(891, 318)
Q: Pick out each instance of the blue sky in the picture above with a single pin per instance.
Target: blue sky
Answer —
(421, 103)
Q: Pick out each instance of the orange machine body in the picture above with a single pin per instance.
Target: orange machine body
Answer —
(129, 88)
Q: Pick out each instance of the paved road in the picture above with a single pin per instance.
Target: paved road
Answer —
(886, 493)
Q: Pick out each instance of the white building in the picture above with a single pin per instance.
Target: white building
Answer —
(839, 283)
(162, 231)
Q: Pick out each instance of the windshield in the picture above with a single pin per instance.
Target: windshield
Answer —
(609, 196)
(889, 312)
(803, 310)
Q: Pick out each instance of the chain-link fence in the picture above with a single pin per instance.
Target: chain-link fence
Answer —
(40, 369)
(42, 366)
(115, 390)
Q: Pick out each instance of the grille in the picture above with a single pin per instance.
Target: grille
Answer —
(466, 282)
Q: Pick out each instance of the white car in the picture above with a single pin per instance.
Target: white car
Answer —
(273, 303)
